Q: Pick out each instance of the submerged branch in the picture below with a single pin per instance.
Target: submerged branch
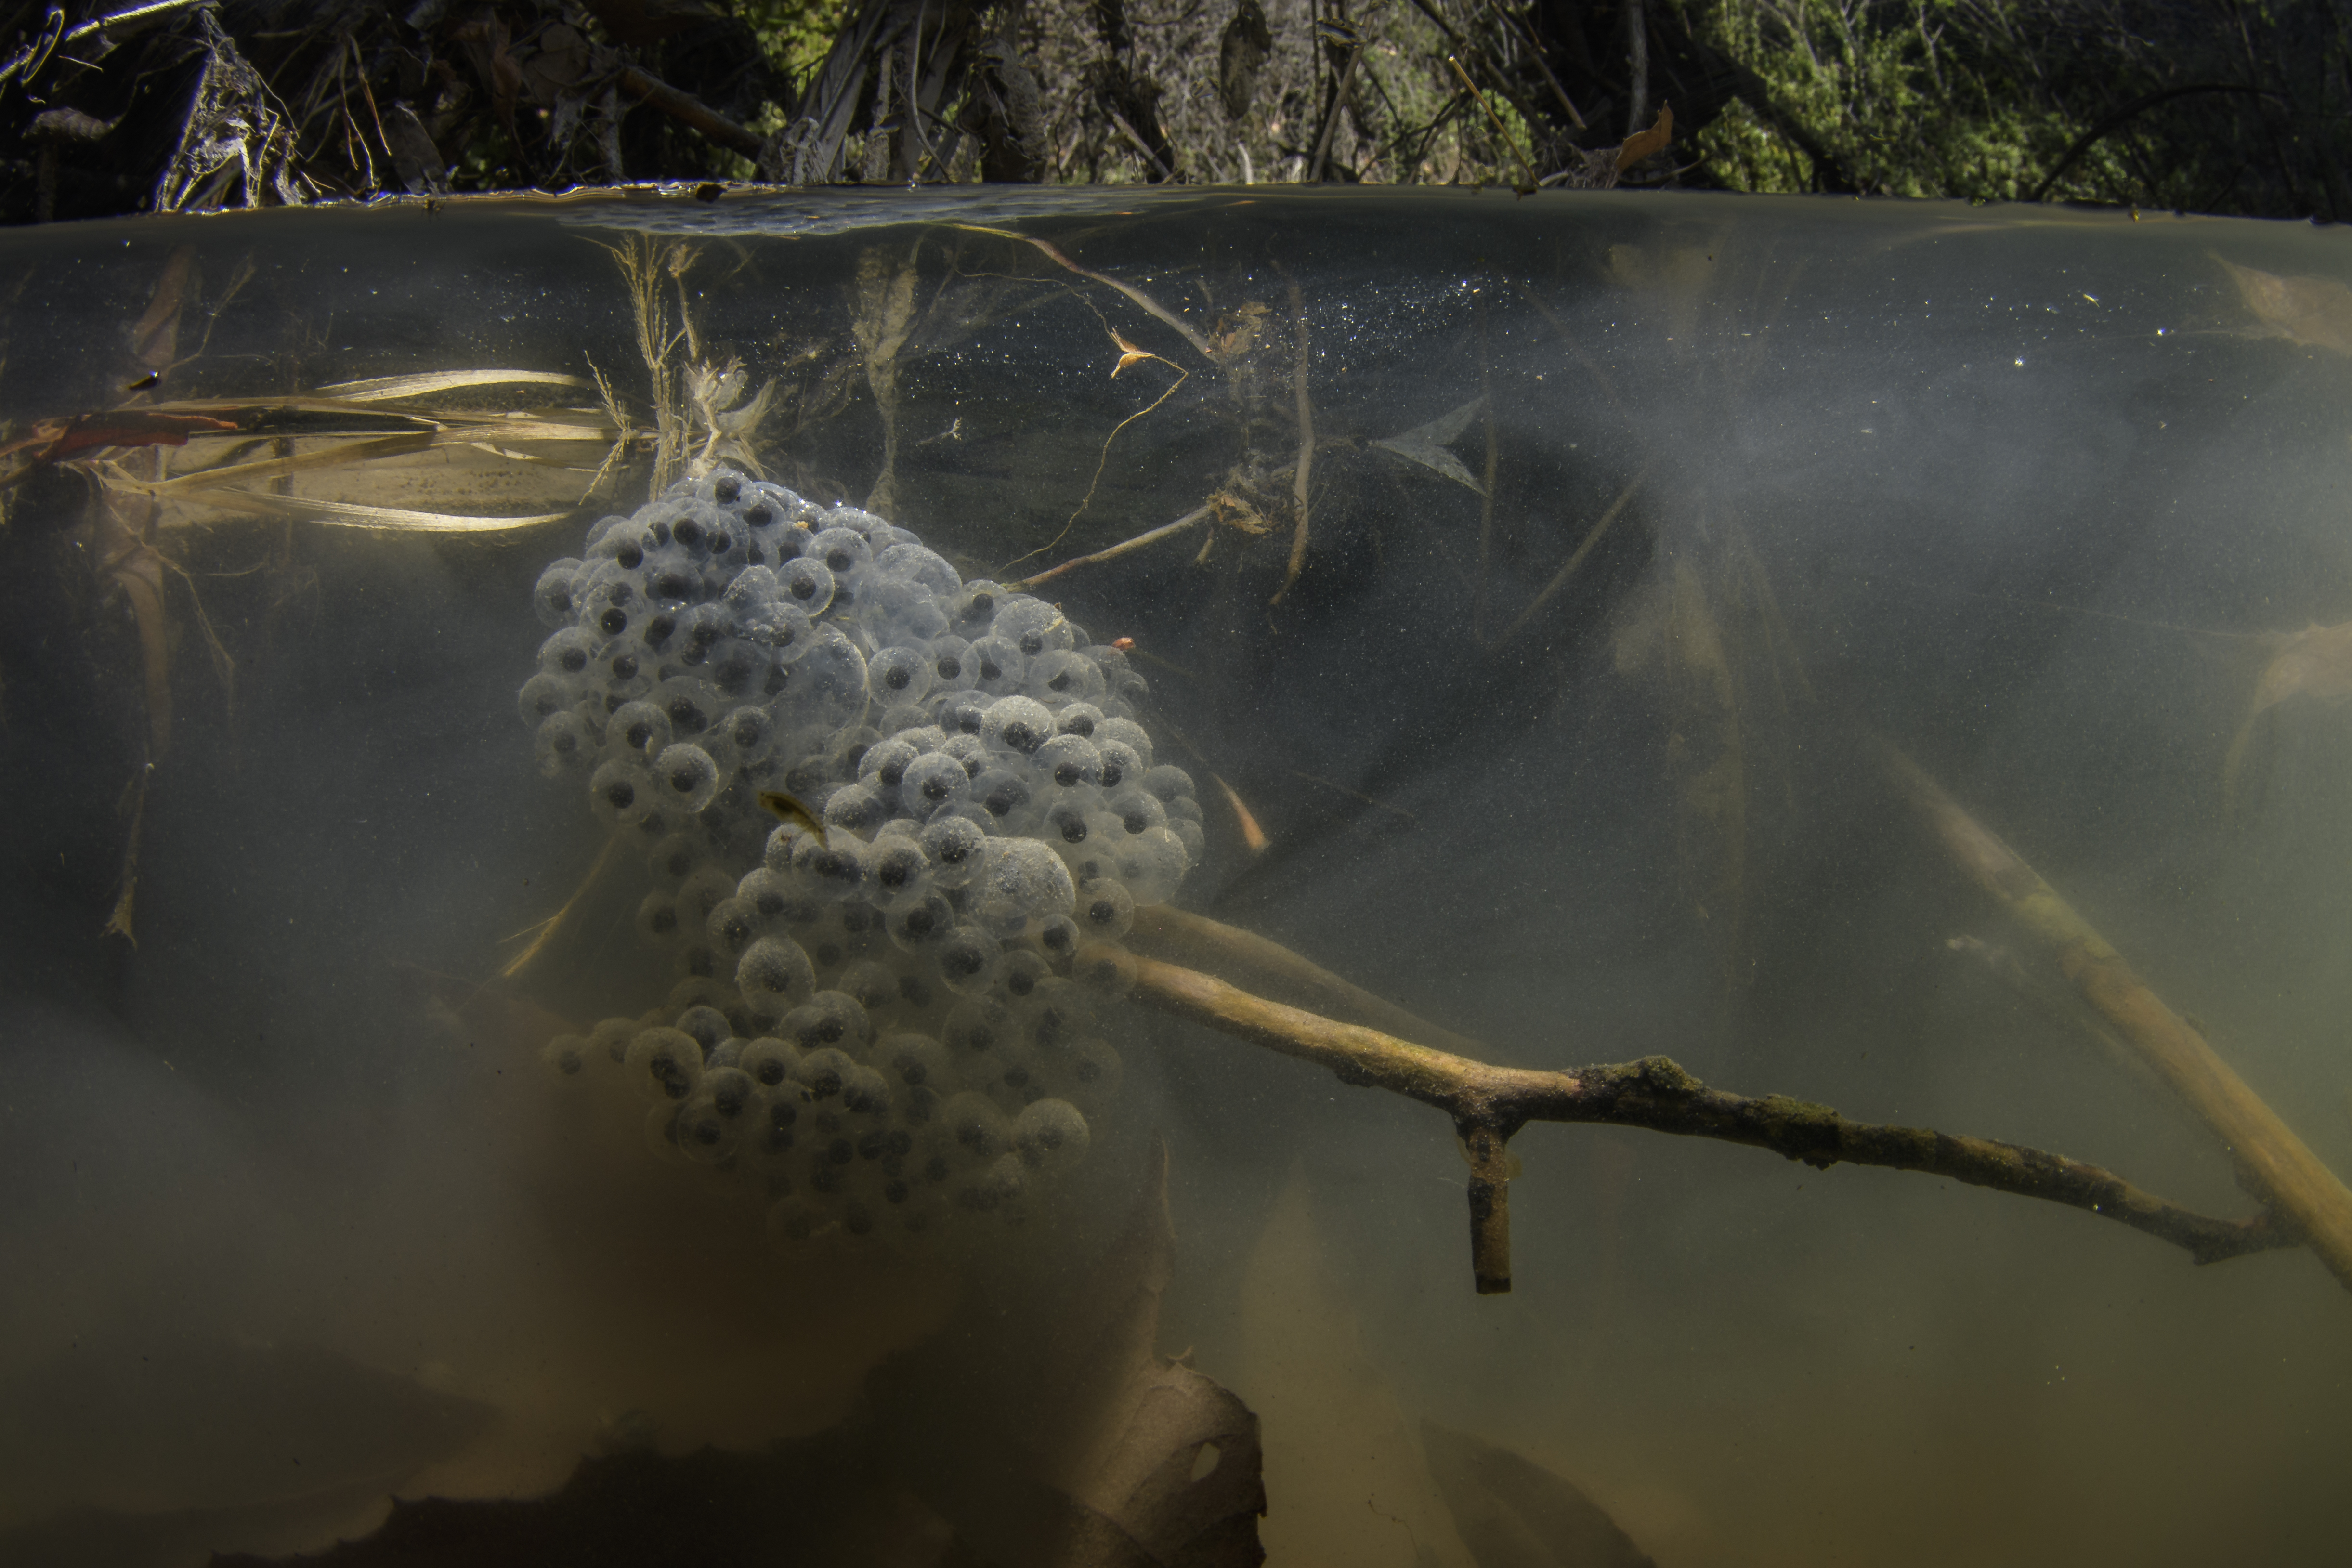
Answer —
(1306, 447)
(2276, 1165)
(1489, 1104)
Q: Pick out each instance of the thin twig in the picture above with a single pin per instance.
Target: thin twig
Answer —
(1501, 133)
(1150, 306)
(1489, 1104)
(1305, 445)
(1137, 542)
(549, 927)
(691, 111)
(1316, 164)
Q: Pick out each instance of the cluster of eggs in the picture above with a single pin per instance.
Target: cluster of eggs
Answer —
(874, 1009)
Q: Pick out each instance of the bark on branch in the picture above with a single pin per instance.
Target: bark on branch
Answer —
(1489, 1104)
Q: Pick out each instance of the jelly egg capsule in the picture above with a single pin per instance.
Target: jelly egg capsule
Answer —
(950, 662)
(898, 675)
(830, 1018)
(1079, 719)
(775, 896)
(873, 984)
(1090, 1077)
(544, 696)
(977, 1131)
(687, 775)
(563, 742)
(966, 959)
(1068, 763)
(898, 872)
(930, 783)
(922, 565)
(1106, 909)
(1034, 626)
(1058, 937)
(917, 1061)
(733, 925)
(1064, 825)
(658, 918)
(864, 1092)
(775, 974)
(956, 849)
(997, 1190)
(768, 1061)
(836, 870)
(551, 595)
(707, 1025)
(922, 924)
(725, 1054)
(1130, 734)
(805, 584)
(566, 1056)
(961, 713)
(751, 733)
(974, 1028)
(620, 792)
(1152, 864)
(843, 551)
(1136, 809)
(711, 1124)
(1057, 1014)
(1059, 678)
(1007, 797)
(884, 765)
(1119, 763)
(997, 668)
(699, 894)
(855, 808)
(1018, 973)
(663, 1063)
(609, 1040)
(568, 654)
(1022, 875)
(820, 1072)
(637, 731)
(673, 858)
(1051, 1136)
(1017, 724)
(1195, 841)
(1168, 783)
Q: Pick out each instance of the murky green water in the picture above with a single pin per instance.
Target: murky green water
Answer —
(1634, 529)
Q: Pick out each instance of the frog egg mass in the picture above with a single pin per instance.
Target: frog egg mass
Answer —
(864, 1013)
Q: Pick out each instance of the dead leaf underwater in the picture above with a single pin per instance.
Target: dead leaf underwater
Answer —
(2313, 662)
(2315, 312)
(1513, 1513)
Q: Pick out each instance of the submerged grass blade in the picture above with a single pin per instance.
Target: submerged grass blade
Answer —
(389, 519)
(391, 388)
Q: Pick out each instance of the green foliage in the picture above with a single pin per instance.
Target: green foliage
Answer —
(795, 34)
(1914, 98)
